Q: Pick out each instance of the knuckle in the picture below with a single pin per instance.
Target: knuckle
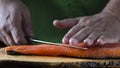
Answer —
(7, 27)
(21, 41)
(11, 27)
(2, 27)
(14, 6)
(84, 18)
(11, 43)
(73, 38)
(88, 21)
(18, 41)
(85, 21)
(86, 30)
(99, 28)
(76, 28)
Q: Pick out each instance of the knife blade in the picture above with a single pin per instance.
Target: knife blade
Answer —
(59, 44)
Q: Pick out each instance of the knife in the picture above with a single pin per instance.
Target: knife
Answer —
(59, 44)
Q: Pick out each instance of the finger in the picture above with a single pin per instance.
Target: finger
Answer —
(75, 29)
(8, 38)
(17, 31)
(106, 38)
(92, 38)
(80, 36)
(27, 24)
(3, 39)
(71, 33)
(66, 23)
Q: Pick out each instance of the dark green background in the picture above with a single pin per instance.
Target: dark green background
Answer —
(45, 11)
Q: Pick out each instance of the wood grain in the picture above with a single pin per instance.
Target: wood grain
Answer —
(54, 62)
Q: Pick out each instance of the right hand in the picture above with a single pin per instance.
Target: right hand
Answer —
(15, 22)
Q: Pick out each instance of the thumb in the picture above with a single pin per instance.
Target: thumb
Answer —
(66, 23)
(28, 29)
(27, 24)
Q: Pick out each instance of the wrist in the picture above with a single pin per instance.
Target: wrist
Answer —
(113, 15)
(113, 9)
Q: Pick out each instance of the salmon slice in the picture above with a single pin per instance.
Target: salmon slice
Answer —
(96, 51)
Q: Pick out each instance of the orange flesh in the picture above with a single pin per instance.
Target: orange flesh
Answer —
(97, 51)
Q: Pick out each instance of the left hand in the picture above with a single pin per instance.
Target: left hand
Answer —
(101, 28)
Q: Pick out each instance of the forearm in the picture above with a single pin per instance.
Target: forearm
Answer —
(113, 7)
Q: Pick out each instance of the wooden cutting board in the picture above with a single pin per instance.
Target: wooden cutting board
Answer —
(8, 61)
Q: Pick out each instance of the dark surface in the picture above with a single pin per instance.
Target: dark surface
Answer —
(17, 64)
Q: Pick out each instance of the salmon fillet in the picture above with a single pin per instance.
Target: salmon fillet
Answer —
(96, 51)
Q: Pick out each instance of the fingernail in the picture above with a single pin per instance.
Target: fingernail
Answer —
(101, 42)
(65, 40)
(74, 42)
(55, 22)
(88, 42)
(59, 24)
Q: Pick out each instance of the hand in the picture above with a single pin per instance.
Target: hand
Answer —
(15, 22)
(101, 28)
